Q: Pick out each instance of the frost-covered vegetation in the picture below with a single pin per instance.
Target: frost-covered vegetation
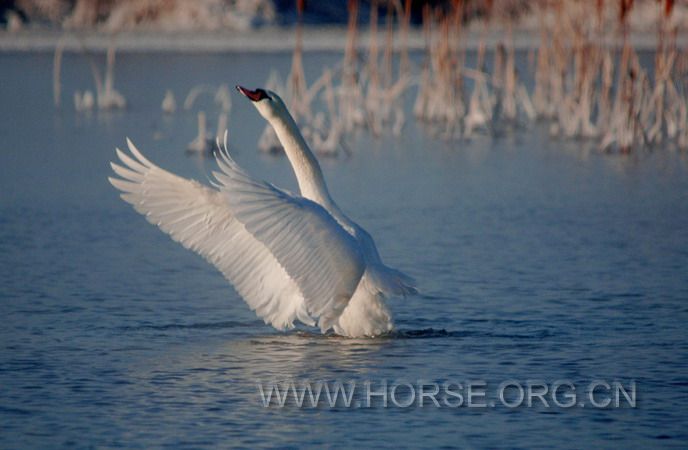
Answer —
(169, 15)
(589, 81)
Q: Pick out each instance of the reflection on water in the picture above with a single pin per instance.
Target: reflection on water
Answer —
(536, 259)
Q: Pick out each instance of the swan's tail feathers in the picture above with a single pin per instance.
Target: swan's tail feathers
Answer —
(391, 282)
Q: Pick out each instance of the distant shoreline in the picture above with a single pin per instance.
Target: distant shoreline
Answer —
(272, 39)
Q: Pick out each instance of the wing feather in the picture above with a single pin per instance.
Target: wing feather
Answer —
(325, 261)
(198, 218)
(285, 255)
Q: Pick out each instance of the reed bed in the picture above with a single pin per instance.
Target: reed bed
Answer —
(591, 90)
(585, 86)
(588, 80)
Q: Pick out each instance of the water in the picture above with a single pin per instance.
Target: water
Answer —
(537, 259)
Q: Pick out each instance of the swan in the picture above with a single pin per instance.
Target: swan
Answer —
(289, 256)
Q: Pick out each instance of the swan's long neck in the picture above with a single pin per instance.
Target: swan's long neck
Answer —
(306, 167)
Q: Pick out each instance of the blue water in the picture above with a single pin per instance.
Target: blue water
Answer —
(537, 259)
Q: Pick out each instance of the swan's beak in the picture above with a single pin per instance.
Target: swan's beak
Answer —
(254, 96)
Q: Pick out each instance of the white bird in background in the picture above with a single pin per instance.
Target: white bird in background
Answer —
(291, 257)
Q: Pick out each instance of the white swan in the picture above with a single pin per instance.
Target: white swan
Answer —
(289, 256)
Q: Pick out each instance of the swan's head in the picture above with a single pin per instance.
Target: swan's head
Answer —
(268, 104)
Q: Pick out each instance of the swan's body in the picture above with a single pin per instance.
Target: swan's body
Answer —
(289, 256)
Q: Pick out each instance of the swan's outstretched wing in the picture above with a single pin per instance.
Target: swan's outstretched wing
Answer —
(325, 261)
(202, 219)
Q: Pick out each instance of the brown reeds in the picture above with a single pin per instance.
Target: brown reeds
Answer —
(585, 85)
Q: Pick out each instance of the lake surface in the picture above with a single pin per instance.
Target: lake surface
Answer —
(537, 259)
